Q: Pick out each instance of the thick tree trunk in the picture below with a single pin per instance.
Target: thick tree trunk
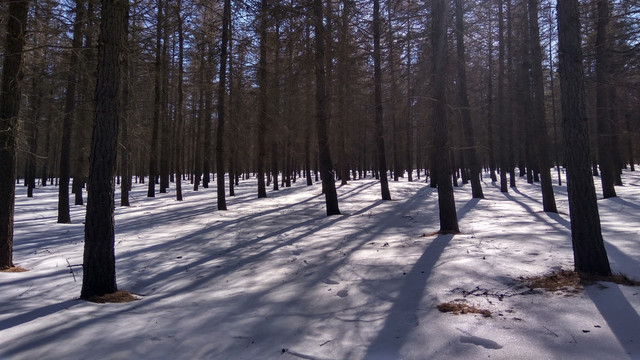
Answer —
(10, 93)
(590, 256)
(99, 275)
(446, 201)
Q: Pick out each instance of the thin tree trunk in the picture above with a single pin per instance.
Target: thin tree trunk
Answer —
(180, 104)
(67, 120)
(465, 111)
(222, 88)
(262, 99)
(548, 198)
(382, 157)
(326, 166)
(153, 149)
(603, 102)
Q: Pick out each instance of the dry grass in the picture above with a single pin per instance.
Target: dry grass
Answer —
(570, 281)
(120, 296)
(14, 269)
(563, 280)
(620, 279)
(458, 308)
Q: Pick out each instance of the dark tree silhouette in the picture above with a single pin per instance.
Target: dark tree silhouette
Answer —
(326, 167)
(446, 201)
(99, 275)
(590, 256)
(10, 93)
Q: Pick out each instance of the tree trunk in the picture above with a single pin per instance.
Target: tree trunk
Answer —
(603, 102)
(326, 166)
(262, 100)
(590, 256)
(548, 198)
(99, 275)
(382, 157)
(180, 103)
(67, 120)
(10, 93)
(446, 201)
(222, 88)
(153, 148)
(465, 111)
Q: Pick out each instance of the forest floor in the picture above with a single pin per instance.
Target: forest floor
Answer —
(276, 279)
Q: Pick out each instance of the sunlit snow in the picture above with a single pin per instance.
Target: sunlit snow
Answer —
(276, 279)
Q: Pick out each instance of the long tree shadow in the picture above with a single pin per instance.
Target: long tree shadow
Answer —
(621, 317)
(402, 319)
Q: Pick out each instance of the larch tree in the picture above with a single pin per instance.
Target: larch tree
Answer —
(324, 154)
(99, 272)
(463, 100)
(10, 94)
(604, 111)
(446, 201)
(262, 99)
(382, 156)
(69, 112)
(539, 111)
(590, 256)
(222, 89)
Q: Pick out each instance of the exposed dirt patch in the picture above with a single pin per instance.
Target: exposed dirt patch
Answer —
(460, 307)
(14, 269)
(120, 296)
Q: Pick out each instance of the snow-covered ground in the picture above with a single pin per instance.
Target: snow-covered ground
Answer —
(277, 279)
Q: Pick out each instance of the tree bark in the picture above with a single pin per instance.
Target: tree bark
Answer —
(590, 256)
(326, 166)
(603, 102)
(99, 275)
(67, 120)
(153, 148)
(548, 198)
(446, 201)
(222, 88)
(382, 157)
(465, 111)
(262, 100)
(10, 93)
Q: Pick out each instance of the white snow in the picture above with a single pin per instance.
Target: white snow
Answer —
(277, 279)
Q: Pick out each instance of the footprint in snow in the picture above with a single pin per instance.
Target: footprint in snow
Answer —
(343, 293)
(411, 319)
